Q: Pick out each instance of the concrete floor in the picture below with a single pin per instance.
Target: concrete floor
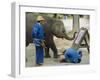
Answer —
(61, 44)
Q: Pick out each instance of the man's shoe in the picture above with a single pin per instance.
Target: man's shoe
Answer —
(40, 64)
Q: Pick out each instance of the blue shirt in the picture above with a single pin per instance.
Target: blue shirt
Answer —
(72, 55)
(37, 33)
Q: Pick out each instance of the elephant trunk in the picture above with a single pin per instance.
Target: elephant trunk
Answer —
(70, 38)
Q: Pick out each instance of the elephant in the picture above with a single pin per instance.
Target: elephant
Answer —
(53, 27)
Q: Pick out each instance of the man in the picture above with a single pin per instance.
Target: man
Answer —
(38, 39)
(71, 55)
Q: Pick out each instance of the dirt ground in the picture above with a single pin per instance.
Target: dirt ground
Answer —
(61, 44)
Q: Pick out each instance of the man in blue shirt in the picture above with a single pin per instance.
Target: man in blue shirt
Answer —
(72, 56)
(38, 39)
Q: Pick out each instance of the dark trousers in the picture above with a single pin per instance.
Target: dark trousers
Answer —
(39, 55)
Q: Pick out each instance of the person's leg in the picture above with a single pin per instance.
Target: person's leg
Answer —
(39, 55)
(80, 53)
(80, 56)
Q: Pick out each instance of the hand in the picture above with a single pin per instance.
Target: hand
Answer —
(43, 44)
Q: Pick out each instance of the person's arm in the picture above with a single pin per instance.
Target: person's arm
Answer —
(35, 31)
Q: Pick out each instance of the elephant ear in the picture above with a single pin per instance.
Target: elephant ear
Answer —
(57, 26)
(54, 27)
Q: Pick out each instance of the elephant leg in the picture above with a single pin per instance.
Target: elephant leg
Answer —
(47, 55)
(54, 49)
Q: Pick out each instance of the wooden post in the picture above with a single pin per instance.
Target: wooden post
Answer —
(76, 22)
